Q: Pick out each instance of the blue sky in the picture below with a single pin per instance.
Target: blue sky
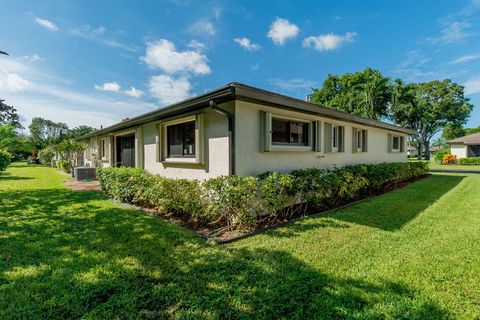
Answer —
(96, 62)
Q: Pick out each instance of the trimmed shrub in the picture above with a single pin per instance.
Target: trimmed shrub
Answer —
(5, 159)
(233, 199)
(438, 156)
(237, 202)
(449, 159)
(469, 161)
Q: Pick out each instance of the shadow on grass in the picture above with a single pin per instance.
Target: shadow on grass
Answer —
(5, 176)
(71, 255)
(391, 211)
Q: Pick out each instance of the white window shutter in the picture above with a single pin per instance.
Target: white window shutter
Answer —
(267, 131)
(389, 142)
(318, 136)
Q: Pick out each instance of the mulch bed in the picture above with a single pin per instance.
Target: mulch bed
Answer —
(83, 185)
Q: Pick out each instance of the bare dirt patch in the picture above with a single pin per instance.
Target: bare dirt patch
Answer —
(83, 185)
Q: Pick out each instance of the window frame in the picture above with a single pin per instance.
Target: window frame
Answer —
(335, 137)
(183, 126)
(289, 122)
(269, 146)
(162, 149)
(103, 149)
(393, 143)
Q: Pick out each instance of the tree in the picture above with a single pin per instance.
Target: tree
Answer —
(18, 145)
(80, 131)
(9, 115)
(451, 132)
(428, 107)
(439, 142)
(365, 93)
(45, 132)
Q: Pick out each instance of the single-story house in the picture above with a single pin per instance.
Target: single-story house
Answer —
(242, 130)
(466, 147)
(413, 152)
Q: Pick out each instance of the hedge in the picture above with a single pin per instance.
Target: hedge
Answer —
(235, 201)
(5, 159)
(469, 161)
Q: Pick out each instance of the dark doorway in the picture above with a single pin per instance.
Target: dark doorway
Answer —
(126, 151)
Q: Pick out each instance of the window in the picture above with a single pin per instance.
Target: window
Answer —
(289, 132)
(335, 137)
(181, 140)
(103, 153)
(396, 143)
(359, 140)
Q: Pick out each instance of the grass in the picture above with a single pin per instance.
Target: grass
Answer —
(454, 167)
(410, 254)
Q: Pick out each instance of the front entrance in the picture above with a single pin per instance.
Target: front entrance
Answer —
(126, 151)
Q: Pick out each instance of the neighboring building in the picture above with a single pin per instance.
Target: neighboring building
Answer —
(413, 152)
(467, 146)
(243, 130)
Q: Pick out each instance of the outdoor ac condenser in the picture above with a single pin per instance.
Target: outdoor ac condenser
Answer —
(85, 173)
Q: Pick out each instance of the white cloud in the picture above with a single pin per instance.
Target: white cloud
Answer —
(133, 92)
(195, 44)
(97, 35)
(12, 82)
(162, 55)
(33, 58)
(472, 86)
(452, 32)
(292, 84)
(466, 58)
(247, 44)
(282, 30)
(46, 24)
(202, 28)
(108, 86)
(169, 90)
(330, 41)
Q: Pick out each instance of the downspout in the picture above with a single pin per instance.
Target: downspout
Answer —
(231, 133)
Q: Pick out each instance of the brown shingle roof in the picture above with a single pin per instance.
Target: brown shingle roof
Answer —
(470, 139)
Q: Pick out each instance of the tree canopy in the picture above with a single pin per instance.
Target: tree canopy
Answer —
(428, 107)
(9, 115)
(366, 93)
(44, 132)
(451, 132)
(80, 131)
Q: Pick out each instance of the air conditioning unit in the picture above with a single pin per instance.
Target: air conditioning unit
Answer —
(85, 173)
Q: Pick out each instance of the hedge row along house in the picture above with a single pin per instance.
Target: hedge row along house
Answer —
(242, 130)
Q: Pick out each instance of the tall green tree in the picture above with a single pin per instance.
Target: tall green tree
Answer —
(428, 107)
(451, 132)
(366, 93)
(17, 144)
(44, 132)
(80, 131)
(9, 115)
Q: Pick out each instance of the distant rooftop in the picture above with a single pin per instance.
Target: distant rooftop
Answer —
(470, 139)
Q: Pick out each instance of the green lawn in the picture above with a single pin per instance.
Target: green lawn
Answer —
(410, 254)
(436, 166)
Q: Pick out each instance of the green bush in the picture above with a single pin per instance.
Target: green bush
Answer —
(438, 156)
(46, 155)
(64, 165)
(233, 199)
(244, 201)
(5, 159)
(469, 161)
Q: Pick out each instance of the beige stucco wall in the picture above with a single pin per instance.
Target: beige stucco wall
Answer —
(215, 150)
(251, 161)
(459, 150)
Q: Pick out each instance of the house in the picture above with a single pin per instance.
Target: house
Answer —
(466, 147)
(413, 152)
(242, 130)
